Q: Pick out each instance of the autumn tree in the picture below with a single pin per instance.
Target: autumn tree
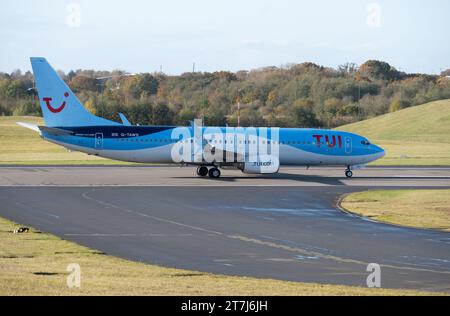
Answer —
(304, 115)
(379, 70)
(397, 105)
(80, 82)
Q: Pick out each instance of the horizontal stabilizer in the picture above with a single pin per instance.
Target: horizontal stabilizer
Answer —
(30, 126)
(55, 131)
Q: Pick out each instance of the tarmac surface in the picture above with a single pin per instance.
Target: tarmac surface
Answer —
(285, 226)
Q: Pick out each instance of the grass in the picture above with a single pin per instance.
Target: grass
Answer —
(23, 146)
(418, 135)
(414, 208)
(35, 263)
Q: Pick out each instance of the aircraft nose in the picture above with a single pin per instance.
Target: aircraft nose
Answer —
(380, 152)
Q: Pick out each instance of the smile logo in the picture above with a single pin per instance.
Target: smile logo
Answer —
(51, 108)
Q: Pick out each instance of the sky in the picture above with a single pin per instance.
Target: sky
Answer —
(143, 36)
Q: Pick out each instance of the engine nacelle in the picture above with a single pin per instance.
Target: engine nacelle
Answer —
(263, 165)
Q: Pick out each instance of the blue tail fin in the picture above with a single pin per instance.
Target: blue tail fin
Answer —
(59, 104)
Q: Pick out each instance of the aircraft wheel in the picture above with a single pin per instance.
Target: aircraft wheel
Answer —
(348, 173)
(202, 171)
(214, 173)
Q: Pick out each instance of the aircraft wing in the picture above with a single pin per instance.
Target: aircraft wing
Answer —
(210, 147)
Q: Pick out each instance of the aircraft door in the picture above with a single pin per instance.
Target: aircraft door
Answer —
(348, 145)
(98, 141)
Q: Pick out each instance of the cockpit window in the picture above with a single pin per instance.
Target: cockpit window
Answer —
(365, 142)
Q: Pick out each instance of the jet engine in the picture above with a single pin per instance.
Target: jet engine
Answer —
(261, 165)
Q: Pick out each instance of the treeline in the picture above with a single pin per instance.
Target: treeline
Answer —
(297, 95)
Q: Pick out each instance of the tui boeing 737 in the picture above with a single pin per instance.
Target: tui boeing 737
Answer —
(251, 150)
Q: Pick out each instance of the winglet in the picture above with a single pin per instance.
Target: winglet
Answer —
(124, 120)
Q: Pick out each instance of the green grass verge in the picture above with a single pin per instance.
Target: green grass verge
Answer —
(418, 135)
(35, 263)
(20, 145)
(414, 208)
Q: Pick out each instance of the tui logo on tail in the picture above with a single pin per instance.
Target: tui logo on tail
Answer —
(52, 109)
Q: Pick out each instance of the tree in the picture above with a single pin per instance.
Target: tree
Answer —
(348, 68)
(141, 113)
(71, 75)
(27, 108)
(379, 70)
(140, 84)
(307, 94)
(162, 114)
(80, 82)
(89, 105)
(272, 97)
(445, 73)
(16, 89)
(399, 104)
(226, 75)
(184, 116)
(306, 68)
(304, 113)
(333, 105)
(251, 117)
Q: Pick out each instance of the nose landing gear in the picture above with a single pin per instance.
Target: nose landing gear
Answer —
(348, 172)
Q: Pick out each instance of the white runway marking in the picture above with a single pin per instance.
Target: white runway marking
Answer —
(126, 235)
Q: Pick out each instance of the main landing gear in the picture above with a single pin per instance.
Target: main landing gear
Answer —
(348, 172)
(203, 171)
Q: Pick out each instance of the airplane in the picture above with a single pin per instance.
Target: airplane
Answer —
(251, 150)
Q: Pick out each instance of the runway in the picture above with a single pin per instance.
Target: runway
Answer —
(186, 176)
(284, 226)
